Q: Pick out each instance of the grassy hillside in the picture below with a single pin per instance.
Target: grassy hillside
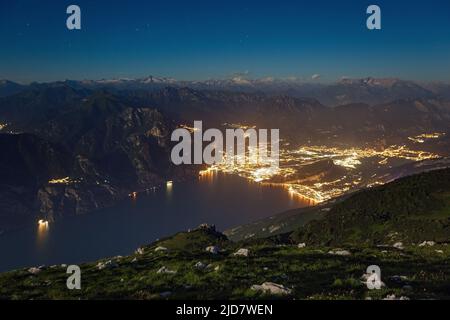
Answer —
(310, 273)
(411, 210)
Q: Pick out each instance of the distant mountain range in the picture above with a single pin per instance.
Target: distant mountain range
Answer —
(369, 90)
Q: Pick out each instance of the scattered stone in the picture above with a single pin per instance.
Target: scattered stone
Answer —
(107, 265)
(166, 270)
(393, 297)
(339, 252)
(301, 245)
(272, 288)
(399, 245)
(212, 249)
(200, 266)
(272, 228)
(241, 252)
(140, 251)
(34, 270)
(157, 249)
(427, 244)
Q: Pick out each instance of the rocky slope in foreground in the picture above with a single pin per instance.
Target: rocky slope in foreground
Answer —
(204, 264)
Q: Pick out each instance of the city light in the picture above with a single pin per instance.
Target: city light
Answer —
(317, 188)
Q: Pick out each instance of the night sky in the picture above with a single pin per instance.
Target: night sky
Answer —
(196, 40)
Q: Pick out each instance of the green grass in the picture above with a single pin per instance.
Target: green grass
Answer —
(310, 272)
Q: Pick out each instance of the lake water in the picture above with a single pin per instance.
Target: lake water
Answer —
(223, 200)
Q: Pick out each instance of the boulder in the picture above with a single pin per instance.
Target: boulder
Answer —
(200, 266)
(166, 270)
(427, 244)
(212, 249)
(107, 265)
(339, 252)
(140, 251)
(393, 297)
(242, 252)
(301, 245)
(159, 248)
(272, 288)
(34, 270)
(399, 245)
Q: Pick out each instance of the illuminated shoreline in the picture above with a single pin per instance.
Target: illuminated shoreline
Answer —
(292, 162)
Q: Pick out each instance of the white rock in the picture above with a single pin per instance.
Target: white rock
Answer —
(439, 251)
(34, 270)
(200, 265)
(157, 249)
(399, 245)
(107, 265)
(134, 260)
(272, 288)
(212, 249)
(241, 252)
(427, 243)
(393, 297)
(166, 270)
(339, 252)
(140, 251)
(301, 245)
